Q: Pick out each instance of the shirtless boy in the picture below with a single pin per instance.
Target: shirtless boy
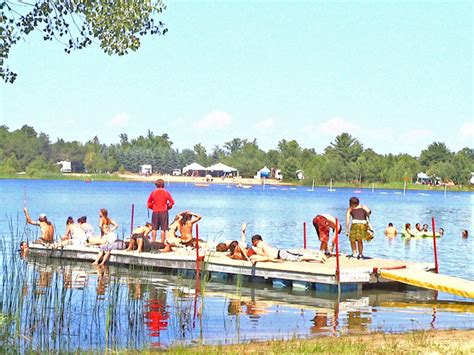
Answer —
(47, 228)
(186, 227)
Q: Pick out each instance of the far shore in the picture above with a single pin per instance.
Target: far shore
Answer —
(237, 181)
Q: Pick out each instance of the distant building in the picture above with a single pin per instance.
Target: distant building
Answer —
(65, 166)
(472, 179)
(145, 170)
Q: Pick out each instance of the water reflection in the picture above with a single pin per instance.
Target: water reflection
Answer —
(122, 308)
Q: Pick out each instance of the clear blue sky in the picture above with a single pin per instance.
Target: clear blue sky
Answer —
(395, 75)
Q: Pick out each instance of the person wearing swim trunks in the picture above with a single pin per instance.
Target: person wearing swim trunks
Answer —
(47, 228)
(323, 224)
(357, 226)
(160, 201)
(138, 236)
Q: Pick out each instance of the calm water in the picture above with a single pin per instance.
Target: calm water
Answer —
(124, 308)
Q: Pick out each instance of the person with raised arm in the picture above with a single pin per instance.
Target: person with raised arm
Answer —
(47, 228)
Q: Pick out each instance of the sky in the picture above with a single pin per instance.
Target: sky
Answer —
(396, 75)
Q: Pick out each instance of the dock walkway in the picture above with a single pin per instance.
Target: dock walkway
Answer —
(355, 274)
(438, 282)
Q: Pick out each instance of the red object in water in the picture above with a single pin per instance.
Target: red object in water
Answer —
(156, 317)
(434, 244)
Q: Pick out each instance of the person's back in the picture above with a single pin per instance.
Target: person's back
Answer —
(47, 231)
(78, 234)
(390, 231)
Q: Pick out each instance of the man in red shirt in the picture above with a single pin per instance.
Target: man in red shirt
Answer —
(160, 201)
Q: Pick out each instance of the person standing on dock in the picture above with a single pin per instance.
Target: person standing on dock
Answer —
(357, 226)
(323, 224)
(160, 201)
(47, 228)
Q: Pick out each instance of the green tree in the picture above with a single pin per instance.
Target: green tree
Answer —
(435, 153)
(117, 25)
(346, 147)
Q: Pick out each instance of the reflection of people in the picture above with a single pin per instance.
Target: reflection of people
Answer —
(234, 307)
(322, 224)
(156, 315)
(102, 280)
(47, 228)
(390, 231)
(358, 321)
(357, 226)
(320, 322)
(160, 201)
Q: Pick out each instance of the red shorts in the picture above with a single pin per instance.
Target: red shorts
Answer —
(321, 225)
(251, 252)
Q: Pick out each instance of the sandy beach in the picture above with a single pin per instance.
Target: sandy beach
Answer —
(202, 180)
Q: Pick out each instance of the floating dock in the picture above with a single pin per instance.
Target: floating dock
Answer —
(354, 274)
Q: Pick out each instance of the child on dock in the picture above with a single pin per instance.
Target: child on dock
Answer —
(47, 228)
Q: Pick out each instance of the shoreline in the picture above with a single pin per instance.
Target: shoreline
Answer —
(246, 182)
(413, 342)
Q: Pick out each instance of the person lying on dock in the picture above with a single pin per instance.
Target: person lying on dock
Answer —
(74, 235)
(47, 228)
(238, 251)
(225, 246)
(188, 219)
(263, 249)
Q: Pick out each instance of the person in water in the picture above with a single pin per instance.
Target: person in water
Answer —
(323, 225)
(47, 228)
(357, 226)
(441, 232)
(390, 231)
(160, 202)
(24, 249)
(407, 232)
(465, 234)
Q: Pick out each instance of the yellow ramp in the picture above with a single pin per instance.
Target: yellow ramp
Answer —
(426, 279)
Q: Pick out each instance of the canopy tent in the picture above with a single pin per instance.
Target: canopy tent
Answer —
(220, 169)
(263, 173)
(422, 176)
(193, 167)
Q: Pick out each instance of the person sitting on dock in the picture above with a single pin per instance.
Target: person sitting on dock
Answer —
(106, 250)
(263, 249)
(86, 227)
(107, 228)
(323, 224)
(390, 231)
(74, 235)
(188, 219)
(138, 236)
(47, 228)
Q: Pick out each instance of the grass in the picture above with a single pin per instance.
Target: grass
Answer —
(418, 342)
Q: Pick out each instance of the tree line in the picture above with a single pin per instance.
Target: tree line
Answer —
(343, 160)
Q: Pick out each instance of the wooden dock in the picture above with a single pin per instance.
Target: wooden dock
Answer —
(354, 275)
(438, 282)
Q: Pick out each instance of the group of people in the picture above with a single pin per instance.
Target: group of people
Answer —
(82, 233)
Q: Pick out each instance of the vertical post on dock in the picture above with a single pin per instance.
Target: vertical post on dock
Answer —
(434, 244)
(304, 235)
(131, 219)
(196, 245)
(338, 270)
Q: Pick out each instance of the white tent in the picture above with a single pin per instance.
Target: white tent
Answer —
(221, 167)
(263, 173)
(193, 167)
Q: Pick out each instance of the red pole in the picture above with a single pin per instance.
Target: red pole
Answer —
(196, 245)
(133, 215)
(434, 244)
(304, 235)
(338, 270)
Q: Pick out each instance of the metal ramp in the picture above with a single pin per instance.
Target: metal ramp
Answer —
(426, 279)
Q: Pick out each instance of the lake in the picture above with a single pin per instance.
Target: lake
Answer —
(56, 301)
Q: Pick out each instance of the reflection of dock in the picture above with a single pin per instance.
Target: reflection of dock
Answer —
(355, 274)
